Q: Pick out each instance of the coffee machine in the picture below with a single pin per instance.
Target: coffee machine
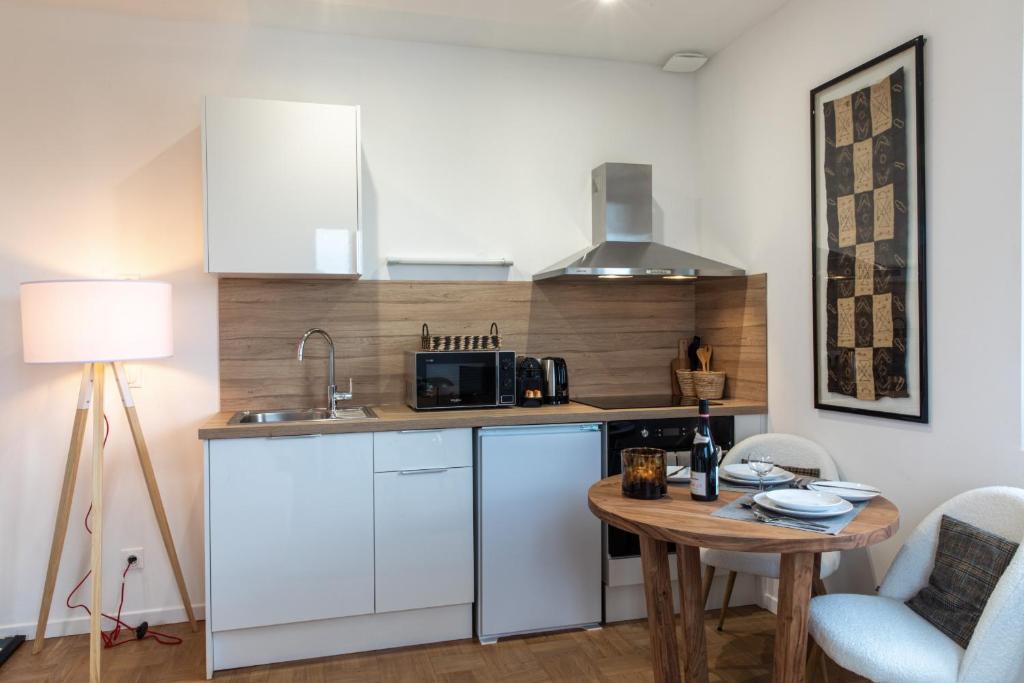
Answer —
(529, 382)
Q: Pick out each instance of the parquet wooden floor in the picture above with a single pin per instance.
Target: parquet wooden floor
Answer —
(617, 654)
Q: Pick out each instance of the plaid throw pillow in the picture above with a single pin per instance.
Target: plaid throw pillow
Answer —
(968, 564)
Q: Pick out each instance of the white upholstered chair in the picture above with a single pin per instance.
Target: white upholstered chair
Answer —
(786, 450)
(879, 637)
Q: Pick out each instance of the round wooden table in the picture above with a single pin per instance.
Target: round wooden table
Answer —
(676, 518)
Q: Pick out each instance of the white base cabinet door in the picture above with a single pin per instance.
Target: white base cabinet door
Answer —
(424, 538)
(290, 529)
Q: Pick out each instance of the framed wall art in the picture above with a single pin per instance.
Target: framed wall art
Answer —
(868, 238)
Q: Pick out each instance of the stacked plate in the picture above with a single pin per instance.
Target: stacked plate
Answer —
(850, 490)
(740, 473)
(803, 503)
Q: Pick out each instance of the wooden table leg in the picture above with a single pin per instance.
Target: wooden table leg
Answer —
(817, 585)
(660, 620)
(796, 572)
(691, 611)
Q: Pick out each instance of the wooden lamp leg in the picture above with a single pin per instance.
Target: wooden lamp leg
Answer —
(154, 491)
(95, 619)
(67, 492)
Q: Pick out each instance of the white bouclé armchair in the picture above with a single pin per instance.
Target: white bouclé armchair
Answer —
(879, 637)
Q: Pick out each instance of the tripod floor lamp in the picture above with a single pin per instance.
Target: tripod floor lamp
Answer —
(98, 323)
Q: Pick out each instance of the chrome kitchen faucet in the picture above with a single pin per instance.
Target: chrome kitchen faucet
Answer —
(333, 395)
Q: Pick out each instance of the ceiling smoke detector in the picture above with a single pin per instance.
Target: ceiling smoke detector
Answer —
(685, 62)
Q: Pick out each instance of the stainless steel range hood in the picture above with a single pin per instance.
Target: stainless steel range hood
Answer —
(624, 245)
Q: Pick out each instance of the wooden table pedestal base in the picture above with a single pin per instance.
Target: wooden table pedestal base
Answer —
(797, 571)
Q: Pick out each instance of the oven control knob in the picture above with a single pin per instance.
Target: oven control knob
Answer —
(644, 433)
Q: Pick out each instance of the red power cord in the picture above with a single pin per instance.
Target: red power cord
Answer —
(111, 639)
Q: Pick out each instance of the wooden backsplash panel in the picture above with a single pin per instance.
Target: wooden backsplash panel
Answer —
(616, 338)
(731, 315)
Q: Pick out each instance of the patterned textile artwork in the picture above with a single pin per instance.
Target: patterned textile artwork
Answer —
(866, 193)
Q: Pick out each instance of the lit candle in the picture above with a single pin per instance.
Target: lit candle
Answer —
(643, 473)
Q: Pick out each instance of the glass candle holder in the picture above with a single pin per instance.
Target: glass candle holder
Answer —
(643, 473)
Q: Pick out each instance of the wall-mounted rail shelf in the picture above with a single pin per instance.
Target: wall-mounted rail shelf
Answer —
(413, 261)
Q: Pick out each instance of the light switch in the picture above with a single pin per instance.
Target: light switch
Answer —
(134, 374)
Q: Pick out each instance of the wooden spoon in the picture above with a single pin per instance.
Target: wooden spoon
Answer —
(704, 355)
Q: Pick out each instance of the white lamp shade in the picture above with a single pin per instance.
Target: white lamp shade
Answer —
(83, 321)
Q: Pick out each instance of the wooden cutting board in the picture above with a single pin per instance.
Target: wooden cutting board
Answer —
(680, 362)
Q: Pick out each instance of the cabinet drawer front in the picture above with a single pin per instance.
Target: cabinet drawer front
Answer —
(291, 530)
(424, 538)
(422, 449)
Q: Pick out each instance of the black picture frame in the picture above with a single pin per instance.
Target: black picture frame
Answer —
(911, 52)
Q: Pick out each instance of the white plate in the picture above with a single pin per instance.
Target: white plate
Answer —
(805, 501)
(753, 482)
(776, 476)
(681, 476)
(765, 502)
(847, 490)
(742, 470)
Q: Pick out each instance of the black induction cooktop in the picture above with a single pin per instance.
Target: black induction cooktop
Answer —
(639, 401)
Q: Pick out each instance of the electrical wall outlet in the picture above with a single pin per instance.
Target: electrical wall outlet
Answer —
(137, 552)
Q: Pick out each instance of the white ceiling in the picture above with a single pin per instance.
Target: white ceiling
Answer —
(629, 30)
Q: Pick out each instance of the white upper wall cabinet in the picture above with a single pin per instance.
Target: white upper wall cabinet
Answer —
(281, 188)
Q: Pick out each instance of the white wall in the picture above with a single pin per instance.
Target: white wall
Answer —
(468, 153)
(755, 210)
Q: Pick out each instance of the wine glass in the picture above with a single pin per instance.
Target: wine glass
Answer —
(762, 464)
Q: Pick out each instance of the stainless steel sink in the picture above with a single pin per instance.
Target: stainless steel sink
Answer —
(299, 415)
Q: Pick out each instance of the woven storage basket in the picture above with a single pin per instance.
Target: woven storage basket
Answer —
(460, 342)
(709, 385)
(685, 380)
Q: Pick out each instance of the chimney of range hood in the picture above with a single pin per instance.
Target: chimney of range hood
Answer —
(621, 203)
(622, 218)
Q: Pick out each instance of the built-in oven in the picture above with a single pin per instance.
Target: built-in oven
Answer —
(673, 435)
(460, 379)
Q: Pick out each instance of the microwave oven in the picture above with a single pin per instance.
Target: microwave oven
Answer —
(437, 380)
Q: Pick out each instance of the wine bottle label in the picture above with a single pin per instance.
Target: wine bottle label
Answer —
(699, 483)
